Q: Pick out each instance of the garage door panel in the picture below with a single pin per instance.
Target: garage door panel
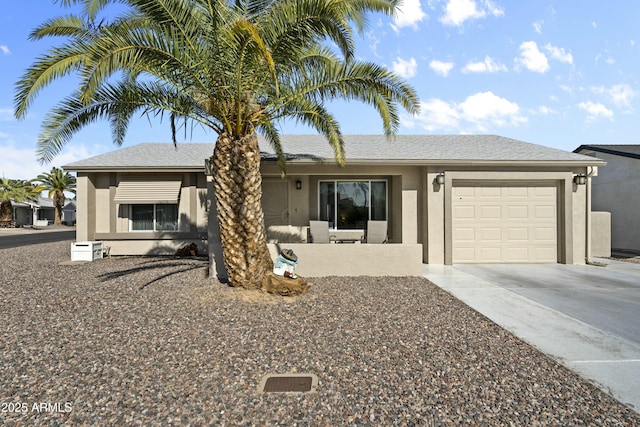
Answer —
(462, 212)
(463, 234)
(517, 212)
(490, 254)
(517, 192)
(545, 234)
(515, 254)
(544, 212)
(465, 255)
(504, 222)
(489, 192)
(518, 234)
(491, 212)
(491, 234)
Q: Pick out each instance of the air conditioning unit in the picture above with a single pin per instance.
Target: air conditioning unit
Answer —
(86, 251)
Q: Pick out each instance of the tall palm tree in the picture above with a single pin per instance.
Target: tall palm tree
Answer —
(235, 67)
(57, 182)
(15, 190)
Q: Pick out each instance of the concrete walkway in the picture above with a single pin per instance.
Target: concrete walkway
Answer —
(606, 359)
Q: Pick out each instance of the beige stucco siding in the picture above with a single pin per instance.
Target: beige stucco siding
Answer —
(616, 189)
(99, 217)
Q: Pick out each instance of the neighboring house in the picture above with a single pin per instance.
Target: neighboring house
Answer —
(69, 213)
(616, 189)
(446, 199)
(42, 209)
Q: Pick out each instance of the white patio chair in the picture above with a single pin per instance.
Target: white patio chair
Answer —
(319, 231)
(376, 232)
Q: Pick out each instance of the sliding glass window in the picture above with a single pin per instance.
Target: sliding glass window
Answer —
(348, 205)
(154, 217)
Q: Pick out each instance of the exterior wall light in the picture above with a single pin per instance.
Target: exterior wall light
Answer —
(298, 184)
(440, 179)
(580, 179)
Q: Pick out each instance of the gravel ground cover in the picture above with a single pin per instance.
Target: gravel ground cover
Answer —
(152, 341)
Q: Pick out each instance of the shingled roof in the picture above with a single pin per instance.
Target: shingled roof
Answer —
(404, 149)
(624, 150)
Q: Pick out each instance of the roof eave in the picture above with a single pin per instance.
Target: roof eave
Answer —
(181, 169)
(452, 162)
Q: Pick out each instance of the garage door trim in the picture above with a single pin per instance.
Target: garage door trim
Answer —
(564, 203)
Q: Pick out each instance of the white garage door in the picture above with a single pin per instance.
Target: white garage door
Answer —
(510, 223)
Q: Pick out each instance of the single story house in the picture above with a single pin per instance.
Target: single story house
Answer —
(617, 189)
(40, 211)
(446, 199)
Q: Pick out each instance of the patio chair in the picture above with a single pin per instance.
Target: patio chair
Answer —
(376, 232)
(319, 231)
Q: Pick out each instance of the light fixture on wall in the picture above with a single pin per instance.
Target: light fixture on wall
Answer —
(440, 178)
(298, 184)
(580, 179)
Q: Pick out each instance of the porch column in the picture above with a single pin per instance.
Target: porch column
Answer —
(409, 216)
(85, 208)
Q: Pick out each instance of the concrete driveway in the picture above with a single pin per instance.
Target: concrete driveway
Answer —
(586, 317)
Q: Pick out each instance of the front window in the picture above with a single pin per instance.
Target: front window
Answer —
(154, 217)
(348, 205)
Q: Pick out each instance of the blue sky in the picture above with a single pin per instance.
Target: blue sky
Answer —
(554, 73)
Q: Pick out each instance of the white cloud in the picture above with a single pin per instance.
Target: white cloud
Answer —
(459, 11)
(545, 111)
(4, 49)
(479, 112)
(437, 114)
(537, 26)
(441, 67)
(531, 58)
(6, 114)
(595, 111)
(405, 68)
(408, 14)
(486, 108)
(559, 54)
(19, 158)
(486, 66)
(621, 94)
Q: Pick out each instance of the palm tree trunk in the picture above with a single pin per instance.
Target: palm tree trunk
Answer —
(6, 213)
(58, 202)
(238, 189)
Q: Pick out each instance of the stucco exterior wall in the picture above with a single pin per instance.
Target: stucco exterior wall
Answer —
(419, 210)
(601, 234)
(99, 217)
(303, 203)
(616, 189)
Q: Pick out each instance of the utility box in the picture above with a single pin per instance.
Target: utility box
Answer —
(86, 251)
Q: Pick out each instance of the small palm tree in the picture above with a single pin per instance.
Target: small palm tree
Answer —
(57, 182)
(236, 67)
(15, 190)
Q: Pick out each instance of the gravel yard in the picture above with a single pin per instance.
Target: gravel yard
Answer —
(152, 341)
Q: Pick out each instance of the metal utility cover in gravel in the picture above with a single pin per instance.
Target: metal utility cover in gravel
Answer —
(288, 383)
